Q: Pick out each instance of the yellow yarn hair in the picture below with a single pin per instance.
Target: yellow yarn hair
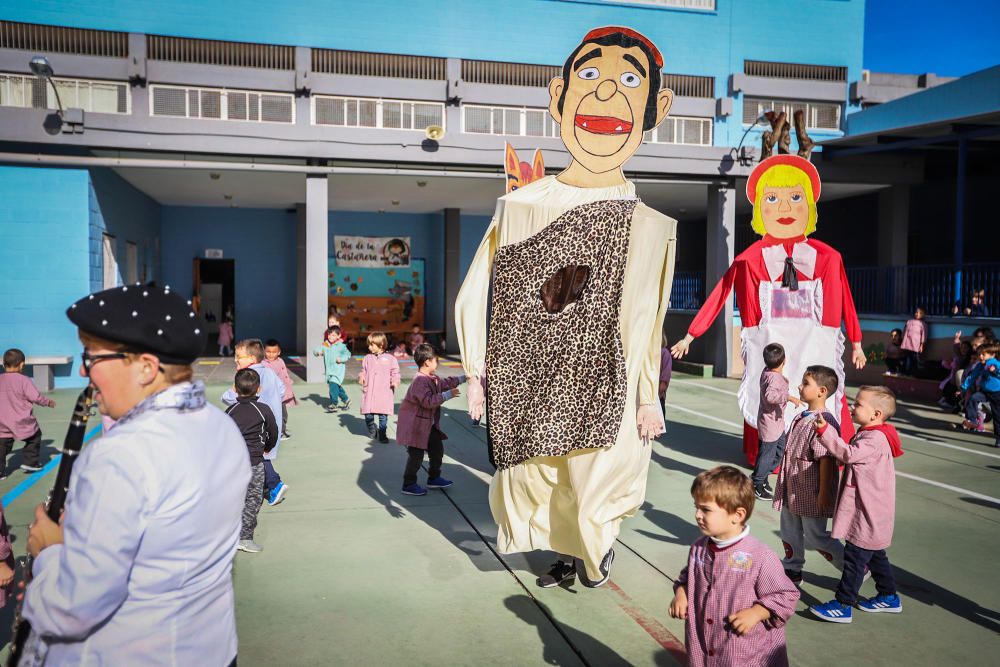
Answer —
(783, 176)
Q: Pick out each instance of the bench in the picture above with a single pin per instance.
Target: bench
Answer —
(41, 370)
(692, 368)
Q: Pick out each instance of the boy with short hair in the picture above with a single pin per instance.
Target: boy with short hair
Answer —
(17, 422)
(866, 504)
(273, 360)
(807, 482)
(732, 582)
(771, 418)
(418, 425)
(260, 432)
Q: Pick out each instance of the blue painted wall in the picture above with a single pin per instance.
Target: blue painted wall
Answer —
(262, 243)
(44, 263)
(826, 32)
(130, 216)
(473, 228)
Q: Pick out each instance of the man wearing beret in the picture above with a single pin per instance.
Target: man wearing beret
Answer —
(139, 570)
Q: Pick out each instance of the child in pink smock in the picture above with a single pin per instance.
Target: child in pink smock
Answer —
(273, 360)
(379, 378)
(17, 421)
(225, 338)
(914, 339)
(866, 504)
(733, 593)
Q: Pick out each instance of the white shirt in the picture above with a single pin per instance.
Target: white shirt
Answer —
(152, 520)
(271, 391)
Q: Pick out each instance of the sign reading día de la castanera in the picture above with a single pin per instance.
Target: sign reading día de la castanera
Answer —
(372, 251)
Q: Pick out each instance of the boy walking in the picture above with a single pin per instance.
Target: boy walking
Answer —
(273, 360)
(260, 432)
(866, 505)
(771, 418)
(807, 482)
(418, 426)
(17, 422)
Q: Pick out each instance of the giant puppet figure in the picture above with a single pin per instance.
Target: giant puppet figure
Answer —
(790, 289)
(581, 273)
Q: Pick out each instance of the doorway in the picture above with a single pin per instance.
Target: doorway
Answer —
(215, 294)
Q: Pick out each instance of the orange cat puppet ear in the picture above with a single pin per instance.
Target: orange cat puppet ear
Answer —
(537, 165)
(511, 165)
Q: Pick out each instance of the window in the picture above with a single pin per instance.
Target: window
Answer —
(18, 90)
(681, 130)
(819, 115)
(223, 104)
(110, 263)
(376, 113)
(511, 121)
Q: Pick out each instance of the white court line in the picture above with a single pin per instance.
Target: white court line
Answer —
(905, 435)
(956, 489)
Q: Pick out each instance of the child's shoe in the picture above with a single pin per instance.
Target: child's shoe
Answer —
(346, 405)
(30, 468)
(383, 437)
(438, 482)
(277, 494)
(833, 611)
(761, 492)
(330, 409)
(414, 490)
(889, 604)
(559, 572)
(249, 546)
(372, 431)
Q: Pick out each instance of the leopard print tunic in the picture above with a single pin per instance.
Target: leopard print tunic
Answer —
(554, 358)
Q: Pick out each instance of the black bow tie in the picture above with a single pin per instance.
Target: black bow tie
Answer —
(790, 278)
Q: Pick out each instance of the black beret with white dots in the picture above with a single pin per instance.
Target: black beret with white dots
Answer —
(145, 318)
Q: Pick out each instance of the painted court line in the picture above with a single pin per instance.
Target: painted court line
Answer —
(33, 478)
(956, 489)
(929, 441)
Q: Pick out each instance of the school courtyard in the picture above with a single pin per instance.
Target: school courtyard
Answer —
(354, 573)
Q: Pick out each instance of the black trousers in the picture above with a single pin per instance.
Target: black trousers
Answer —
(855, 560)
(415, 457)
(29, 456)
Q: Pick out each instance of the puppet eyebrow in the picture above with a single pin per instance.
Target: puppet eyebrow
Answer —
(635, 62)
(596, 53)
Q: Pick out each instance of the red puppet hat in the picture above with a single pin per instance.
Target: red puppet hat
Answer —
(792, 161)
(597, 33)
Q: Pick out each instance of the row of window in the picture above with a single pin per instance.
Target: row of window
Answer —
(267, 107)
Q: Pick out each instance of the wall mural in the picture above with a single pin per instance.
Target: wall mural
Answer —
(389, 299)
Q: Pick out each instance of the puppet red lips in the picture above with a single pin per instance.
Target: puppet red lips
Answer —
(603, 124)
(786, 221)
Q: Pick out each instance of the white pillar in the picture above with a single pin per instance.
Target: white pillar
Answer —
(312, 252)
(720, 239)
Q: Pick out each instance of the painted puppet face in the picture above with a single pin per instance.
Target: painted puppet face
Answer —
(785, 211)
(604, 109)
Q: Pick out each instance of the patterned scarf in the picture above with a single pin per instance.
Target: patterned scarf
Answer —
(183, 397)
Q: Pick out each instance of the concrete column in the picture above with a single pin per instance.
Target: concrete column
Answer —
(312, 252)
(137, 74)
(893, 243)
(720, 240)
(303, 86)
(452, 279)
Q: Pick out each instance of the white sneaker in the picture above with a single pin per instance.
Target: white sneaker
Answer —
(249, 546)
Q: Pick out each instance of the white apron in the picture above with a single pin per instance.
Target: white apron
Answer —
(795, 320)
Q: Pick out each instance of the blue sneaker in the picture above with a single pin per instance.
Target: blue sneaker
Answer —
(277, 494)
(414, 490)
(832, 611)
(888, 604)
(439, 483)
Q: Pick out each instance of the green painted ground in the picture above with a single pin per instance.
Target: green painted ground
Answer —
(353, 572)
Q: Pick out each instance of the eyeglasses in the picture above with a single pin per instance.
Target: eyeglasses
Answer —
(90, 359)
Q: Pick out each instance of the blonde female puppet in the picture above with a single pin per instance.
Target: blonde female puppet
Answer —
(790, 289)
(577, 271)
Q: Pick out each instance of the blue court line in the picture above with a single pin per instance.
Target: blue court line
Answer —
(12, 495)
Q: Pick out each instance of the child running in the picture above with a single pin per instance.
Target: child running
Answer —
(335, 357)
(807, 482)
(273, 360)
(732, 582)
(771, 418)
(260, 431)
(418, 427)
(379, 378)
(17, 422)
(866, 505)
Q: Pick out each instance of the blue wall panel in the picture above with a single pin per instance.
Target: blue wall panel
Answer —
(44, 264)
(130, 216)
(473, 228)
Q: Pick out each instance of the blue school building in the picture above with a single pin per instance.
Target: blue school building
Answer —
(222, 148)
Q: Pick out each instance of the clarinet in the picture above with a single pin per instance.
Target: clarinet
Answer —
(53, 508)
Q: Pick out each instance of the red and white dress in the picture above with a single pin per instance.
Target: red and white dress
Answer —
(806, 322)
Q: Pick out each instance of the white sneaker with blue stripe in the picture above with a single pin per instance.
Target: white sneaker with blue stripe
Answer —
(833, 611)
(888, 604)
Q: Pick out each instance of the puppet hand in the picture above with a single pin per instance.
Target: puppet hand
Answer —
(858, 357)
(477, 398)
(680, 348)
(649, 422)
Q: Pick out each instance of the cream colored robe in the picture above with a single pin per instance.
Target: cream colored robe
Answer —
(574, 504)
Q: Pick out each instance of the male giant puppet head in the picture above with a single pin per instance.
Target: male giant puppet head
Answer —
(608, 95)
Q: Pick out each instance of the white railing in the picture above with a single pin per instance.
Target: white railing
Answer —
(389, 114)
(681, 130)
(222, 104)
(819, 115)
(510, 121)
(17, 90)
